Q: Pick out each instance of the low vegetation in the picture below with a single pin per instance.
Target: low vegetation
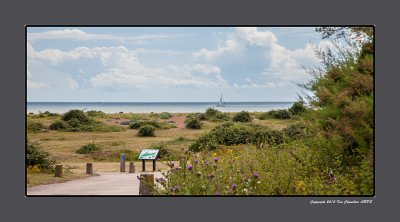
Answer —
(243, 117)
(193, 123)
(146, 130)
(37, 157)
(89, 148)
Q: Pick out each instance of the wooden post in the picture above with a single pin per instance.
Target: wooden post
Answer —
(131, 167)
(58, 172)
(89, 168)
(143, 165)
(146, 184)
(154, 165)
(122, 163)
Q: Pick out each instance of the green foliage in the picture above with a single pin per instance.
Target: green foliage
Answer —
(295, 131)
(88, 148)
(58, 125)
(34, 126)
(165, 115)
(36, 156)
(281, 114)
(47, 113)
(297, 108)
(193, 123)
(211, 114)
(139, 123)
(146, 130)
(243, 116)
(95, 113)
(237, 133)
(163, 150)
(76, 116)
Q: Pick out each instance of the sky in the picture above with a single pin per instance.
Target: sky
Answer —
(169, 64)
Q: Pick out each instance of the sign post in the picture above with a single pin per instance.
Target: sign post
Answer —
(148, 154)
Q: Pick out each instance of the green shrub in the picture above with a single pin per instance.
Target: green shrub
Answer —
(243, 116)
(193, 123)
(58, 125)
(34, 126)
(295, 131)
(140, 123)
(281, 114)
(36, 156)
(76, 115)
(237, 133)
(165, 115)
(163, 151)
(126, 123)
(88, 148)
(211, 112)
(95, 113)
(146, 130)
(297, 108)
(47, 113)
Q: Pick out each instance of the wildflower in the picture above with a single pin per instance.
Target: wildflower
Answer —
(172, 165)
(196, 161)
(234, 186)
(210, 176)
(255, 175)
(190, 167)
(215, 159)
(171, 189)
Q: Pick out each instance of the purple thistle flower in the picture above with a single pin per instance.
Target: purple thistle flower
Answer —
(234, 186)
(255, 175)
(171, 189)
(190, 167)
(215, 159)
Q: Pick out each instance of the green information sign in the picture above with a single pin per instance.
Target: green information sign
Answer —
(148, 154)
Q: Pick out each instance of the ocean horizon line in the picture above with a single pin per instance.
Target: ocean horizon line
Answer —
(163, 102)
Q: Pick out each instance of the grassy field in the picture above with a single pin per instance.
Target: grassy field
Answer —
(62, 145)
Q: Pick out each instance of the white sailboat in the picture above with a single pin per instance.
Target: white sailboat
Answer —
(221, 102)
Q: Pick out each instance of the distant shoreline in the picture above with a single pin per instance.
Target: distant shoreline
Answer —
(155, 107)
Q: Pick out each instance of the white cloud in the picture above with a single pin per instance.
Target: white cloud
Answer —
(36, 85)
(281, 63)
(72, 84)
(77, 34)
(231, 46)
(156, 52)
(122, 69)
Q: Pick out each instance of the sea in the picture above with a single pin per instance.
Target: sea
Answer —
(156, 107)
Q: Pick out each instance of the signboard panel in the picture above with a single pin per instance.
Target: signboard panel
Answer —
(148, 154)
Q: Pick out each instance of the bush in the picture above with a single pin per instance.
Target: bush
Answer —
(237, 133)
(88, 148)
(34, 126)
(211, 112)
(36, 156)
(165, 115)
(243, 116)
(95, 113)
(297, 108)
(146, 130)
(76, 116)
(58, 125)
(193, 123)
(140, 123)
(295, 131)
(281, 114)
(163, 151)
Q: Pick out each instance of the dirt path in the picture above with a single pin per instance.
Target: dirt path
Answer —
(104, 184)
(179, 121)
